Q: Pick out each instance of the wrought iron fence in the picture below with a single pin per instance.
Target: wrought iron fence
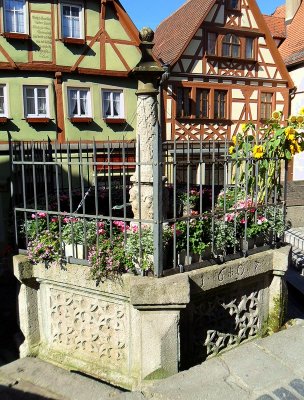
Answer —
(73, 203)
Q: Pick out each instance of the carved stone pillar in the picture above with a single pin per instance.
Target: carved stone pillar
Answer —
(278, 289)
(148, 73)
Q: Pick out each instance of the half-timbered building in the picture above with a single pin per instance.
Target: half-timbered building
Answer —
(65, 70)
(65, 75)
(224, 69)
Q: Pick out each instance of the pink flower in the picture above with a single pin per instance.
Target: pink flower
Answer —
(121, 225)
(41, 214)
(54, 219)
(243, 221)
(134, 228)
(261, 220)
(229, 217)
(192, 212)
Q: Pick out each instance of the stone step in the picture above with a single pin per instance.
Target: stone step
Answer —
(31, 375)
(295, 236)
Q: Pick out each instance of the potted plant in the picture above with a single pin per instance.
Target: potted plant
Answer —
(195, 233)
(76, 234)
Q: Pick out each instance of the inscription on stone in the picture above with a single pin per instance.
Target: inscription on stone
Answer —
(41, 32)
(231, 272)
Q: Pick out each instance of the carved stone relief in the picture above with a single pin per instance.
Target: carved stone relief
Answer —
(87, 325)
(225, 319)
(246, 314)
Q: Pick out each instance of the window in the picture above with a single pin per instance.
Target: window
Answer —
(15, 13)
(113, 104)
(79, 102)
(231, 46)
(71, 19)
(249, 48)
(266, 105)
(183, 102)
(220, 104)
(233, 4)
(3, 101)
(36, 101)
(202, 103)
(211, 45)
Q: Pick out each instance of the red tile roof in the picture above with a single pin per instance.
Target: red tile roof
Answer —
(175, 32)
(292, 49)
(280, 11)
(276, 25)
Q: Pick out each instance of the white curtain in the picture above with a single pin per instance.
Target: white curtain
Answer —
(73, 101)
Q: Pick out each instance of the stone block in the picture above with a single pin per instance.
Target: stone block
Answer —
(173, 290)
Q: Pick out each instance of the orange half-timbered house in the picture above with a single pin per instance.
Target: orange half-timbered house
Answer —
(224, 69)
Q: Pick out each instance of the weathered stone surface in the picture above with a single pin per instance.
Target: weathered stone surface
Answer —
(232, 271)
(54, 382)
(128, 331)
(173, 290)
(287, 346)
(159, 334)
(281, 259)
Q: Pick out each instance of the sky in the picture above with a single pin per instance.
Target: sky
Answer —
(152, 12)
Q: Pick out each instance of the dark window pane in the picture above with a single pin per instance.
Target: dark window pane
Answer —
(249, 48)
(212, 43)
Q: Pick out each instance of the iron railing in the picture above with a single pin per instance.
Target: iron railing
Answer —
(206, 206)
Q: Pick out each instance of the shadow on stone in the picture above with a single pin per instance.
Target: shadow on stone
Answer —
(8, 393)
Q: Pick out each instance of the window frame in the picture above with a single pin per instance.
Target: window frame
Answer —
(202, 101)
(252, 39)
(265, 104)
(78, 89)
(231, 45)
(8, 33)
(121, 115)
(5, 101)
(217, 104)
(183, 111)
(215, 44)
(36, 115)
(80, 6)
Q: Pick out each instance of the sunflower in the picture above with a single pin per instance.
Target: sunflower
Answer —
(258, 151)
(244, 127)
(290, 133)
(300, 119)
(276, 115)
(231, 149)
(234, 139)
(301, 112)
(292, 119)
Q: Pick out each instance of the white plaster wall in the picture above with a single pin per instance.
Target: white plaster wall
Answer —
(236, 111)
(297, 102)
(267, 55)
(298, 78)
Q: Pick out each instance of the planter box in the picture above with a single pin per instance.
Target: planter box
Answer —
(138, 329)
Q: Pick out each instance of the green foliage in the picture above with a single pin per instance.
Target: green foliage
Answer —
(199, 234)
(108, 259)
(44, 248)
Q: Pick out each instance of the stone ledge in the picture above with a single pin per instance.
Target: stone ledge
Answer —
(170, 291)
(232, 271)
